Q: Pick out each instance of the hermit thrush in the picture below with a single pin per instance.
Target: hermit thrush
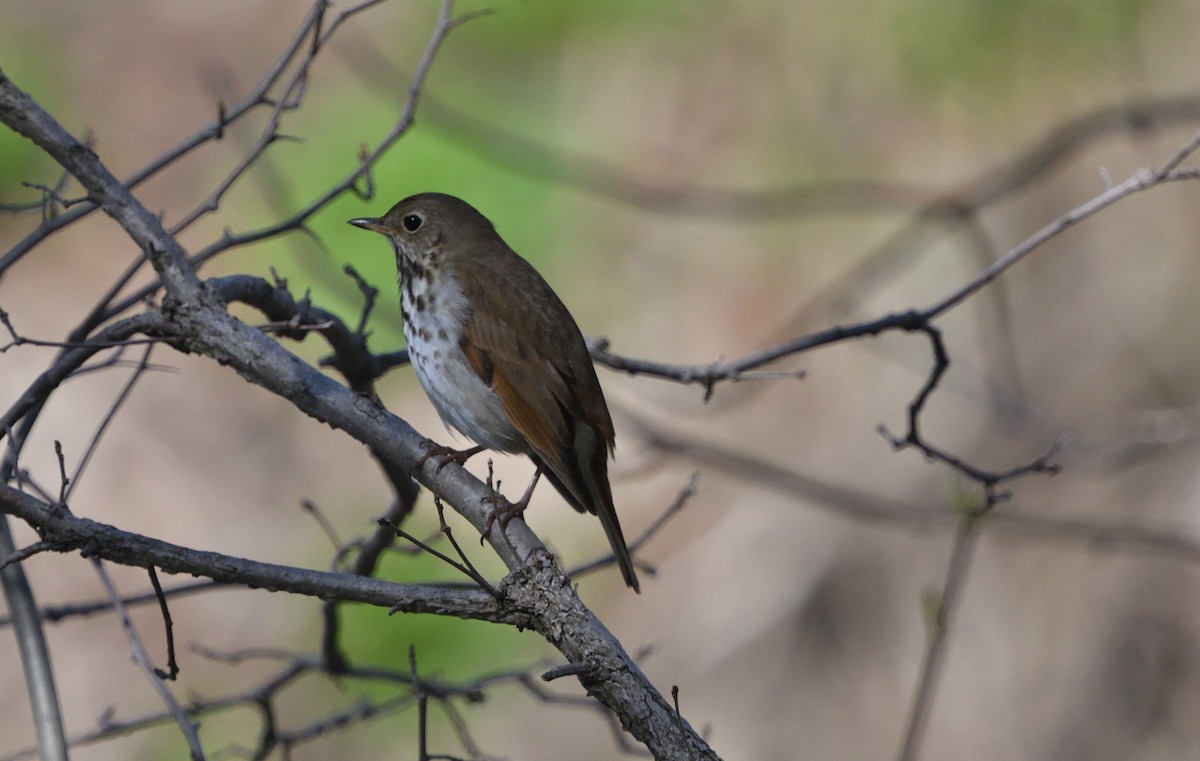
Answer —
(498, 354)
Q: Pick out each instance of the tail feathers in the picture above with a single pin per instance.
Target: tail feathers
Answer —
(608, 519)
(598, 498)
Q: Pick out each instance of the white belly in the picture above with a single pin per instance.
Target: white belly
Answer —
(464, 402)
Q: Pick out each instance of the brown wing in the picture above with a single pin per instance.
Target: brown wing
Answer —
(523, 342)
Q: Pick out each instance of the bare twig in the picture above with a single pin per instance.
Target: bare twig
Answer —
(446, 531)
(168, 626)
(93, 443)
(465, 567)
(142, 659)
(942, 617)
(22, 555)
(53, 613)
(1140, 181)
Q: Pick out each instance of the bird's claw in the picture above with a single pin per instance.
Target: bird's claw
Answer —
(502, 514)
(430, 449)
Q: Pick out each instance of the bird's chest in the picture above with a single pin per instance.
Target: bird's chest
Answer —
(435, 310)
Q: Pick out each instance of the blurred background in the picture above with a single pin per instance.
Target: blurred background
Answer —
(698, 180)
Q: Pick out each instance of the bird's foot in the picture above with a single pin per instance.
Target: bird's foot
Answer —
(504, 511)
(430, 449)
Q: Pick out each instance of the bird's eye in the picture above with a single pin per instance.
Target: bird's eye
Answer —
(412, 222)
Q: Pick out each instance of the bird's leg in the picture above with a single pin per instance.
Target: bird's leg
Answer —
(503, 515)
(431, 448)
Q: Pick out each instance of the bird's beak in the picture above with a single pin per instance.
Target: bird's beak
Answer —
(373, 224)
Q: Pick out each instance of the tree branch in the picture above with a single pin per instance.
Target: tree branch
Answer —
(66, 531)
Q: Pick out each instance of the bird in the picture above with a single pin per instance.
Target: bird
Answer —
(499, 355)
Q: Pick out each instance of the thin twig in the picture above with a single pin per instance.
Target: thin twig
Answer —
(168, 627)
(465, 568)
(142, 659)
(1142, 180)
(24, 554)
(53, 613)
(109, 416)
(446, 531)
(942, 617)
